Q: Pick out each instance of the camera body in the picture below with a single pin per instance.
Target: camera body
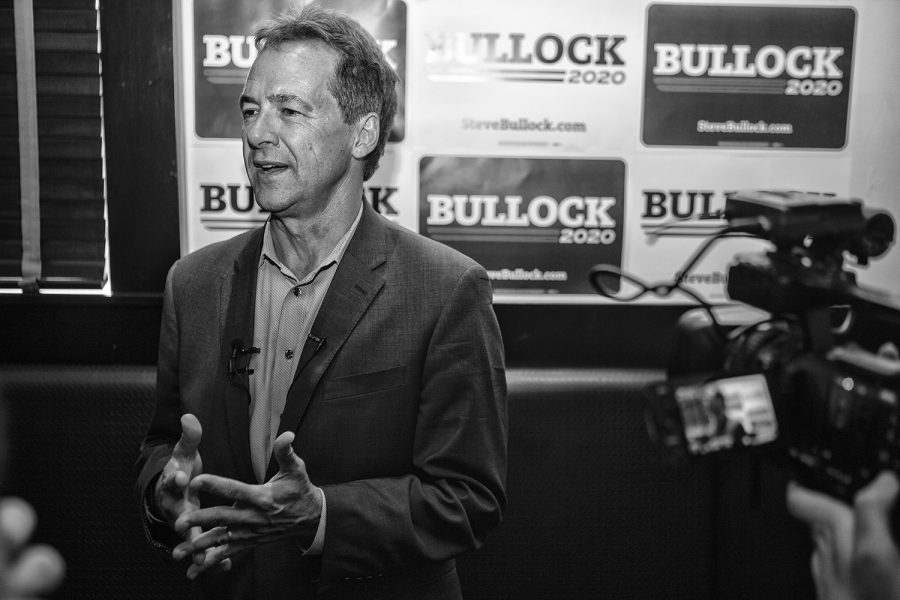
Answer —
(794, 385)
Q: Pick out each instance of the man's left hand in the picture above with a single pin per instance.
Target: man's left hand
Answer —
(288, 505)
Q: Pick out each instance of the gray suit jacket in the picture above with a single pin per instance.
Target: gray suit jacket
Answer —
(398, 404)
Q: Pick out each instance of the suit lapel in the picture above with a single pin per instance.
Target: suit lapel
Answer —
(352, 290)
(238, 295)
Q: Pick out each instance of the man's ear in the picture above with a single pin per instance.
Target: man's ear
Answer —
(367, 131)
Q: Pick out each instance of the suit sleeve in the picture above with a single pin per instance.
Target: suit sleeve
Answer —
(456, 492)
(164, 429)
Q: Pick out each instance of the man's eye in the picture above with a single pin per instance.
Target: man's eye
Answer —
(248, 112)
(290, 112)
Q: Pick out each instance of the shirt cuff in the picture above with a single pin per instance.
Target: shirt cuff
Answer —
(149, 511)
(315, 549)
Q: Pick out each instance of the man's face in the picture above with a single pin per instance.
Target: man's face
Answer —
(297, 148)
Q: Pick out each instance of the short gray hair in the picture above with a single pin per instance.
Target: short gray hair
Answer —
(363, 81)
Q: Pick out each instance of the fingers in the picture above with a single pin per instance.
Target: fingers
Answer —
(191, 433)
(854, 554)
(872, 509)
(877, 499)
(219, 556)
(35, 569)
(830, 522)
(193, 533)
(215, 547)
(816, 508)
(185, 460)
(214, 516)
(39, 569)
(224, 487)
(197, 544)
(180, 480)
(284, 453)
(17, 521)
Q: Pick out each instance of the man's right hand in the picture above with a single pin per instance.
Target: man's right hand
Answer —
(172, 494)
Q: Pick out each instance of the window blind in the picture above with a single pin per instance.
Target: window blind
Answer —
(61, 171)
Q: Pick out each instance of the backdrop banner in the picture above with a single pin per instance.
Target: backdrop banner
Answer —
(542, 142)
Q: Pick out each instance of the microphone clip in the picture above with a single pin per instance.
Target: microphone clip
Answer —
(236, 363)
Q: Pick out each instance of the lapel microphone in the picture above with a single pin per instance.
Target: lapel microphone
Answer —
(238, 350)
(317, 340)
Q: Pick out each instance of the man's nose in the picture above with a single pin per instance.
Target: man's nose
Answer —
(261, 130)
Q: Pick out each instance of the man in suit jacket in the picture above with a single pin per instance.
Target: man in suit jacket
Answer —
(358, 444)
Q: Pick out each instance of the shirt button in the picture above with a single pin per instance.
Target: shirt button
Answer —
(289, 354)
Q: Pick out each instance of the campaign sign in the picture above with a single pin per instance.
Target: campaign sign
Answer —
(224, 50)
(767, 76)
(536, 224)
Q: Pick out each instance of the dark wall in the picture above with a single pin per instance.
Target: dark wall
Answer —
(124, 330)
(141, 165)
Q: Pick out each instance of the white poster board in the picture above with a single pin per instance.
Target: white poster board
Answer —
(543, 141)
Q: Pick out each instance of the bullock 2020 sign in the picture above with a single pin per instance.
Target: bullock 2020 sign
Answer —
(747, 76)
(537, 225)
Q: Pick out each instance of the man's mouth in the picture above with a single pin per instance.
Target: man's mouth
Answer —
(269, 168)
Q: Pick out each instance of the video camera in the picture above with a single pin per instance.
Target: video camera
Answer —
(793, 385)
